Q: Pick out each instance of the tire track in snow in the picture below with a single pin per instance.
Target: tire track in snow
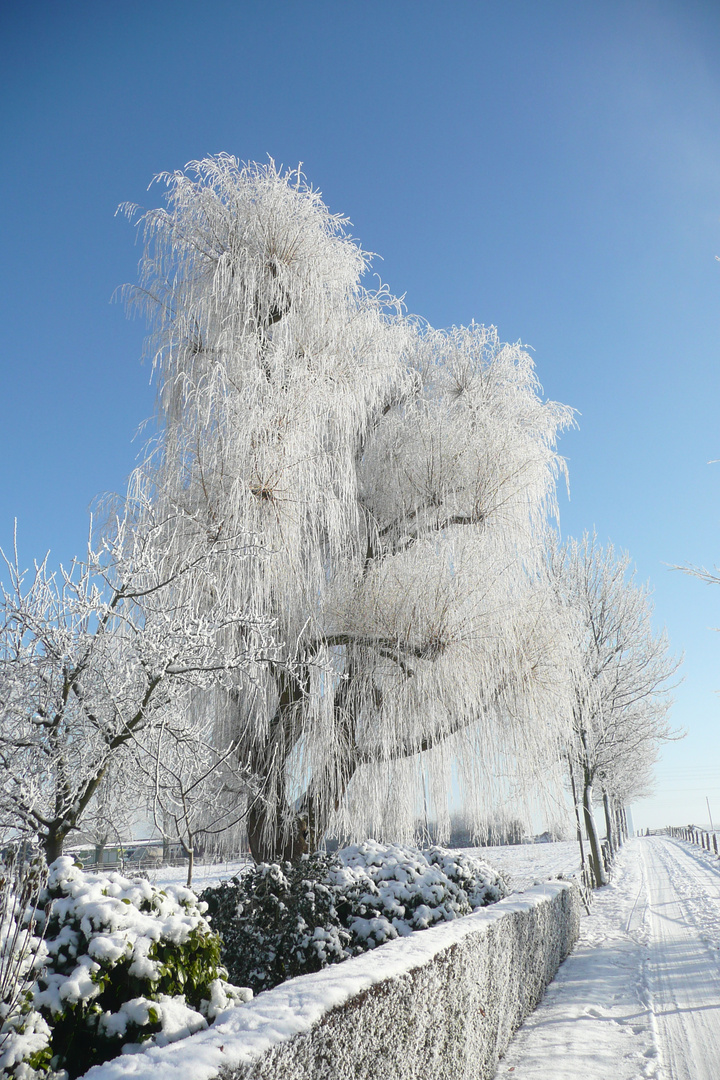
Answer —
(684, 975)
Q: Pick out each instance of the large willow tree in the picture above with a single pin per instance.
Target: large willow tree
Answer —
(393, 484)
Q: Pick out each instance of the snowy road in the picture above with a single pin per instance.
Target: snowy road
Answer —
(683, 894)
(639, 998)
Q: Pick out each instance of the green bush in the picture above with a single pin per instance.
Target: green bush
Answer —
(126, 963)
(279, 921)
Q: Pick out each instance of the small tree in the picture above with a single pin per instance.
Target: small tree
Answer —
(93, 656)
(621, 669)
(399, 481)
(187, 780)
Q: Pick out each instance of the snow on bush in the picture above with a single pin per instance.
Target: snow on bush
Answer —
(278, 921)
(125, 963)
(24, 1035)
(432, 1006)
(416, 889)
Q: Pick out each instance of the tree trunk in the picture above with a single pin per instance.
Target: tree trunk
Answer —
(270, 837)
(166, 837)
(275, 844)
(53, 843)
(191, 864)
(591, 829)
(577, 814)
(609, 830)
(620, 830)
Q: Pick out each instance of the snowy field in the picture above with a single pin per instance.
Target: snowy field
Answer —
(639, 997)
(204, 874)
(526, 865)
(523, 864)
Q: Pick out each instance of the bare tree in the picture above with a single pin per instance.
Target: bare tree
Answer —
(112, 814)
(92, 656)
(621, 669)
(187, 779)
(399, 481)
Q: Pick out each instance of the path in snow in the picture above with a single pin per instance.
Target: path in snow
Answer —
(684, 977)
(639, 997)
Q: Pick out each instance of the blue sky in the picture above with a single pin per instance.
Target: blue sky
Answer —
(553, 169)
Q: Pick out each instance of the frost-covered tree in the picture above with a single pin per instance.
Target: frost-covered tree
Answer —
(397, 481)
(188, 781)
(92, 656)
(620, 672)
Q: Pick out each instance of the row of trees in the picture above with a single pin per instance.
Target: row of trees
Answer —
(621, 669)
(333, 584)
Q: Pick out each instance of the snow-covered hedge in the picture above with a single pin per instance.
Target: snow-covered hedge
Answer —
(433, 1006)
(125, 963)
(281, 921)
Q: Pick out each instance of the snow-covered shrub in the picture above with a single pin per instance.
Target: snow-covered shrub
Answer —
(280, 921)
(414, 889)
(24, 1035)
(126, 963)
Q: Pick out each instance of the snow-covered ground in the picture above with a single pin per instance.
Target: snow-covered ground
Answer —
(204, 874)
(640, 995)
(524, 865)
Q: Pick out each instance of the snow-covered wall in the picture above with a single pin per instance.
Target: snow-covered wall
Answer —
(442, 1003)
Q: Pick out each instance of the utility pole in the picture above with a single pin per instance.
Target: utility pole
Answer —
(712, 827)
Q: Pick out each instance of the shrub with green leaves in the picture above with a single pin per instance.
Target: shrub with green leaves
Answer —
(127, 963)
(280, 921)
